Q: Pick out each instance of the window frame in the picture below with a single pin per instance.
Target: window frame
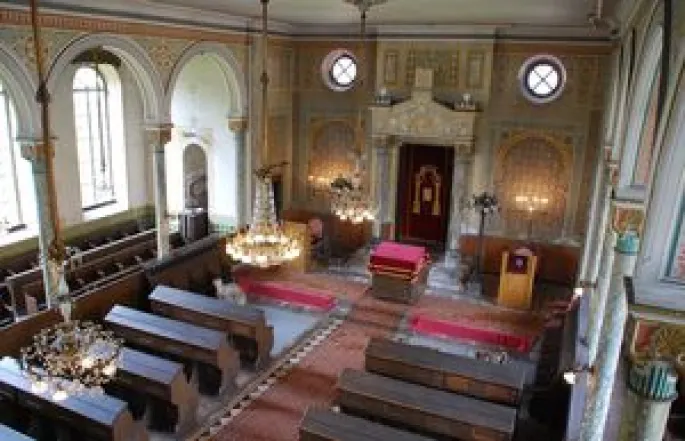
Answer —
(529, 66)
(327, 70)
(105, 134)
(10, 115)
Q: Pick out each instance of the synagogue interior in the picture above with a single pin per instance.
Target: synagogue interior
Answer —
(342, 220)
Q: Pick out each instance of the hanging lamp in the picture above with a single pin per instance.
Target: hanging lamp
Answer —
(264, 243)
(349, 201)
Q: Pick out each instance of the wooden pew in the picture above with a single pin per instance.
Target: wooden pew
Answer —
(425, 410)
(501, 383)
(170, 401)
(216, 362)
(324, 425)
(93, 266)
(245, 325)
(99, 417)
(193, 267)
(7, 434)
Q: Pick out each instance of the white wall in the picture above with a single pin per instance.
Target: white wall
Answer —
(136, 186)
(200, 106)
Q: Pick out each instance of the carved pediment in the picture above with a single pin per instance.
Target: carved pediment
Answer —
(422, 117)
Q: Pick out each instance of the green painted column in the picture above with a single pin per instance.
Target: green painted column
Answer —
(33, 150)
(159, 137)
(651, 390)
(609, 352)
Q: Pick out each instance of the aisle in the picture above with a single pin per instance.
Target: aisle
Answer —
(275, 416)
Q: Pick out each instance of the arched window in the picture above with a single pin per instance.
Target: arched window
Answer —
(93, 137)
(10, 202)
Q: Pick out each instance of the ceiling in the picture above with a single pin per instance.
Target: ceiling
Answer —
(543, 18)
(408, 12)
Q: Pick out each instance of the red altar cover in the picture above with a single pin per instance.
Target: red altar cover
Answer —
(392, 258)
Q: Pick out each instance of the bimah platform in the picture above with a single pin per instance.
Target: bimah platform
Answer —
(398, 272)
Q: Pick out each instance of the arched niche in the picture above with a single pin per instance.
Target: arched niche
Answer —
(202, 97)
(533, 164)
(195, 189)
(133, 55)
(230, 68)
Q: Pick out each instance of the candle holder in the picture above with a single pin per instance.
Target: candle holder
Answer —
(485, 204)
(531, 204)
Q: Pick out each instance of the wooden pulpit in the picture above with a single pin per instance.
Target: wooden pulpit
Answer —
(516, 279)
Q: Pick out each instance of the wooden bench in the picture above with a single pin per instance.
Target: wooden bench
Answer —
(167, 396)
(113, 259)
(245, 325)
(501, 383)
(193, 267)
(324, 425)
(424, 410)
(216, 363)
(7, 434)
(95, 417)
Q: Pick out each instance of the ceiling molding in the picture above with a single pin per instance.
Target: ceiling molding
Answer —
(180, 16)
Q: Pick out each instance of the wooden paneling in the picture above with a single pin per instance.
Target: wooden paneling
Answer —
(556, 263)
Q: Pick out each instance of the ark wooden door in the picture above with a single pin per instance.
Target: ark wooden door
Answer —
(424, 189)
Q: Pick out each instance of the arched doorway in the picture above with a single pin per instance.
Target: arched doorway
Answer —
(195, 192)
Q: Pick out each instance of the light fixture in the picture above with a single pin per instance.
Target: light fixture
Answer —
(71, 357)
(570, 376)
(264, 243)
(349, 201)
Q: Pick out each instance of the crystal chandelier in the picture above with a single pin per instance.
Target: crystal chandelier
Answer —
(349, 202)
(71, 357)
(264, 243)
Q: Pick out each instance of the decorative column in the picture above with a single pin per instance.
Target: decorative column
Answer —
(461, 155)
(599, 298)
(238, 127)
(592, 224)
(651, 390)
(627, 223)
(34, 151)
(158, 138)
(594, 262)
(382, 152)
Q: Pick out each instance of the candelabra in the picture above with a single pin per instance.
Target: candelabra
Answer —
(349, 203)
(485, 204)
(531, 204)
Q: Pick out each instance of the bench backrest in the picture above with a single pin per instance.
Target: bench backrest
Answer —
(193, 267)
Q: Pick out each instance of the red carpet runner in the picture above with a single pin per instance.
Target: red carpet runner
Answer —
(275, 416)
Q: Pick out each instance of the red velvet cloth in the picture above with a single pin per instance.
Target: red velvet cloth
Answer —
(430, 325)
(399, 256)
(287, 293)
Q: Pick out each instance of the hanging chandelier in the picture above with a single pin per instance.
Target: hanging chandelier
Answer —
(264, 243)
(71, 357)
(349, 201)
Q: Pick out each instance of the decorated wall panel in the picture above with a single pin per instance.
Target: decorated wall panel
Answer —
(331, 154)
(532, 178)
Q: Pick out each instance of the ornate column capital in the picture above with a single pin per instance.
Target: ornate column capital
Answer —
(238, 124)
(627, 218)
(463, 150)
(33, 149)
(159, 136)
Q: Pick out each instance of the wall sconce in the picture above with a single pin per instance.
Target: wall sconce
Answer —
(570, 375)
(531, 204)
(318, 184)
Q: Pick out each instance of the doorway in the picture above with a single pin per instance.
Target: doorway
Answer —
(424, 190)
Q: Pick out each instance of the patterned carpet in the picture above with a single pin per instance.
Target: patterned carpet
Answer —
(275, 415)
